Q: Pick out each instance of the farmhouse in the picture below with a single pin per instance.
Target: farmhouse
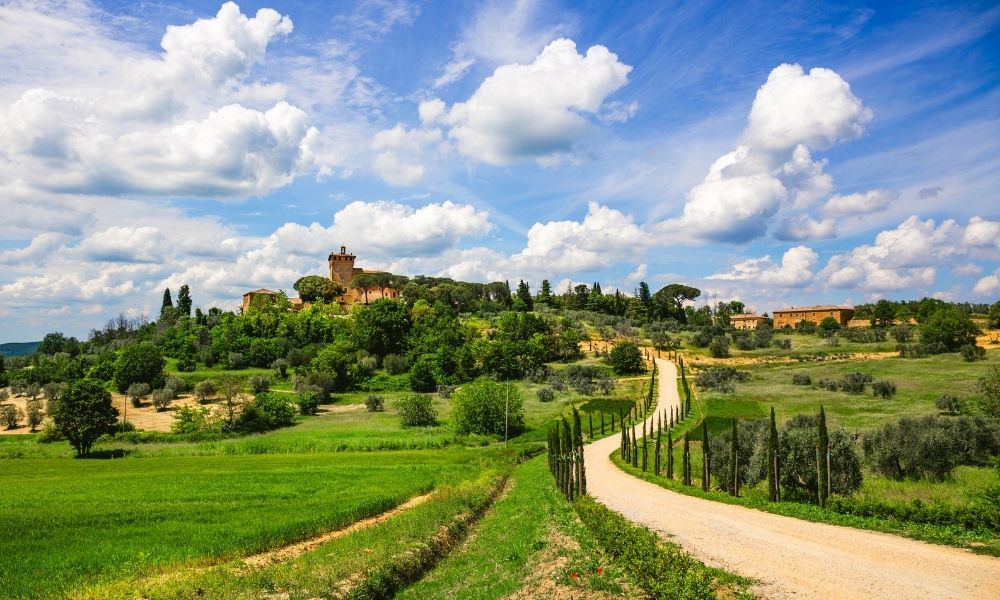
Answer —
(789, 317)
(342, 272)
(747, 321)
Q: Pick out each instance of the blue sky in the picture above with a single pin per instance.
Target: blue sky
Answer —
(801, 153)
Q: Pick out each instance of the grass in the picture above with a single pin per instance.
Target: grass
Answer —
(69, 523)
(519, 536)
(919, 383)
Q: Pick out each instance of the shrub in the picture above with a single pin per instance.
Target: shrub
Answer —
(416, 410)
(833, 341)
(280, 366)
(395, 364)
(854, 383)
(931, 446)
(187, 363)
(445, 390)
(807, 327)
(989, 387)
(723, 379)
(11, 415)
(949, 404)
(236, 361)
(539, 375)
(972, 352)
(719, 348)
(783, 343)
(375, 403)
(176, 384)
(260, 383)
(884, 389)
(744, 341)
(798, 459)
(801, 379)
(203, 390)
(308, 402)
(422, 375)
(902, 333)
(546, 394)
(606, 385)
(480, 407)
(52, 391)
(137, 392)
(162, 398)
(626, 358)
(266, 411)
(190, 419)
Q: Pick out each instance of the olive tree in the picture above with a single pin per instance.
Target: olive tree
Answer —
(84, 413)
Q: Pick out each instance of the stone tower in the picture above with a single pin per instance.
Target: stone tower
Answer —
(342, 267)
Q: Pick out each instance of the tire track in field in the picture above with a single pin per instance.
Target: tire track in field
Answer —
(791, 558)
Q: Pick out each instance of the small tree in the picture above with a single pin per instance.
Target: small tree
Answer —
(236, 361)
(230, 391)
(11, 415)
(137, 392)
(416, 410)
(719, 347)
(260, 383)
(139, 363)
(884, 389)
(203, 390)
(280, 366)
(85, 413)
(162, 398)
(989, 387)
(308, 402)
(773, 473)
(34, 413)
(487, 407)
(375, 403)
(546, 394)
(626, 358)
(823, 458)
(972, 352)
(949, 404)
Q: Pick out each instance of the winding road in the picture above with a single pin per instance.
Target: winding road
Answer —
(790, 558)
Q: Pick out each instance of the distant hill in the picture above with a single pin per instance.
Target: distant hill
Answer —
(18, 348)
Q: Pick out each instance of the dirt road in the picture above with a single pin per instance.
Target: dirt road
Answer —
(791, 558)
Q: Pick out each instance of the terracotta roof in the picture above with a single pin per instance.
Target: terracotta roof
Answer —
(746, 316)
(813, 308)
(261, 291)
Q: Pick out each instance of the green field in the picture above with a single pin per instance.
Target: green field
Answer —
(77, 522)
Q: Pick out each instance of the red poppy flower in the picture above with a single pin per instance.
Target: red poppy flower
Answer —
(574, 575)
(600, 570)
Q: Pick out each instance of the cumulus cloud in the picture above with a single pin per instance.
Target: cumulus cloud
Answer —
(862, 203)
(501, 32)
(794, 270)
(909, 255)
(401, 150)
(988, 286)
(167, 124)
(536, 110)
(773, 170)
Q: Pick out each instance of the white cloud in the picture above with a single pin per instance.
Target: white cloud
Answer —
(431, 110)
(988, 286)
(536, 110)
(125, 244)
(167, 124)
(41, 246)
(909, 255)
(773, 170)
(981, 233)
(795, 269)
(862, 203)
(501, 32)
(803, 227)
(400, 162)
(792, 108)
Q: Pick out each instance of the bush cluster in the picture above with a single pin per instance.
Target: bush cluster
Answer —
(375, 403)
(416, 410)
(801, 379)
(931, 447)
(722, 378)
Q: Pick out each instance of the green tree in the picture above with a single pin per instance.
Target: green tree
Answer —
(822, 455)
(184, 301)
(994, 315)
(84, 413)
(883, 314)
(381, 327)
(626, 358)
(314, 287)
(364, 282)
(139, 363)
(989, 387)
(668, 301)
(422, 377)
(949, 328)
(167, 306)
(524, 295)
(416, 410)
(480, 407)
(829, 325)
(545, 293)
(52, 343)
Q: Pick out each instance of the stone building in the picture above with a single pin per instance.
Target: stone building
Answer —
(747, 321)
(789, 317)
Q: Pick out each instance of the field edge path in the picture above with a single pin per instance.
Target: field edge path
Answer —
(791, 558)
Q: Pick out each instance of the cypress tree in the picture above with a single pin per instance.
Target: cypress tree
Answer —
(823, 460)
(578, 450)
(568, 450)
(705, 457)
(670, 455)
(625, 445)
(773, 476)
(656, 458)
(590, 418)
(686, 461)
(644, 451)
(635, 448)
(733, 460)
(602, 423)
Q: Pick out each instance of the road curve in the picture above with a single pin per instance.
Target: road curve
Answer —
(790, 558)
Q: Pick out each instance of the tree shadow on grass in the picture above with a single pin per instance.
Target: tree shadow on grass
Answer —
(105, 454)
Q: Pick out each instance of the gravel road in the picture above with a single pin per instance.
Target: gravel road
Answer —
(789, 557)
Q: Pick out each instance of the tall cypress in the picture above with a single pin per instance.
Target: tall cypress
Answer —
(635, 447)
(644, 451)
(656, 458)
(733, 463)
(705, 457)
(578, 450)
(670, 455)
(590, 419)
(686, 461)
(568, 465)
(823, 460)
(773, 476)
(602, 423)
